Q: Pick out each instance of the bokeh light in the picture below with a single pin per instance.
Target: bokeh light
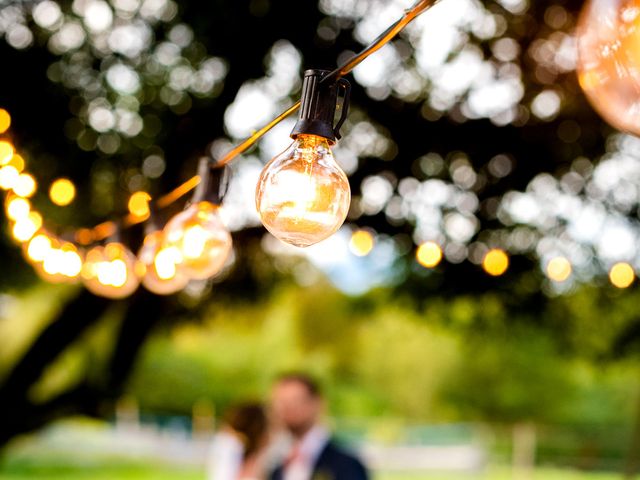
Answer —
(62, 192)
(429, 254)
(8, 177)
(6, 152)
(17, 208)
(27, 226)
(139, 205)
(38, 247)
(622, 275)
(495, 262)
(5, 121)
(559, 269)
(361, 243)
(25, 185)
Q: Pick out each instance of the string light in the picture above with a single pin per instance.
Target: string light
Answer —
(139, 205)
(6, 152)
(495, 262)
(8, 177)
(303, 195)
(609, 60)
(622, 275)
(162, 274)
(429, 254)
(25, 185)
(361, 243)
(198, 233)
(110, 271)
(27, 226)
(5, 121)
(62, 192)
(17, 207)
(559, 269)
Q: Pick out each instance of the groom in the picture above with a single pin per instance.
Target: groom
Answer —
(298, 404)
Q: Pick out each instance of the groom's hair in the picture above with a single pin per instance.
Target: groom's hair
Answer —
(304, 379)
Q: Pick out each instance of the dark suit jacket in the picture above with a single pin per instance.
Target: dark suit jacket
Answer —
(333, 464)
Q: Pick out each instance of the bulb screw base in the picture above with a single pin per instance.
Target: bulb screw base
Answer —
(318, 106)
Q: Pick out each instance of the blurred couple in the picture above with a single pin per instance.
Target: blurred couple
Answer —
(291, 443)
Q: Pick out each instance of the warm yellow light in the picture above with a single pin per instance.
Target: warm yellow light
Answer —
(62, 192)
(162, 274)
(6, 152)
(110, 271)
(608, 63)
(194, 242)
(361, 243)
(201, 238)
(38, 248)
(139, 204)
(622, 275)
(8, 177)
(303, 196)
(495, 262)
(429, 254)
(5, 120)
(18, 208)
(26, 227)
(25, 185)
(559, 269)
(166, 262)
(17, 162)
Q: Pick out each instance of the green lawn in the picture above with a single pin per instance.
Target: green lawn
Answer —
(141, 472)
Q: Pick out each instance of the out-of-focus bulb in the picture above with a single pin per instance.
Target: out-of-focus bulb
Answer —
(38, 247)
(27, 226)
(201, 238)
(303, 196)
(162, 273)
(609, 60)
(17, 207)
(110, 271)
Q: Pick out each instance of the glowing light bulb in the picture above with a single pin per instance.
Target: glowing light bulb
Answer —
(429, 254)
(5, 120)
(139, 205)
(38, 247)
(26, 227)
(495, 262)
(303, 196)
(608, 66)
(17, 208)
(62, 192)
(60, 263)
(162, 273)
(8, 177)
(25, 185)
(110, 271)
(6, 152)
(622, 275)
(201, 238)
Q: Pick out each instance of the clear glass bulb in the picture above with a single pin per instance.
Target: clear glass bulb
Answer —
(202, 239)
(303, 196)
(608, 66)
(161, 264)
(110, 271)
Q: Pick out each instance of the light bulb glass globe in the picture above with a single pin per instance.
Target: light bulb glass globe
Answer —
(201, 238)
(162, 275)
(110, 271)
(303, 196)
(608, 66)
